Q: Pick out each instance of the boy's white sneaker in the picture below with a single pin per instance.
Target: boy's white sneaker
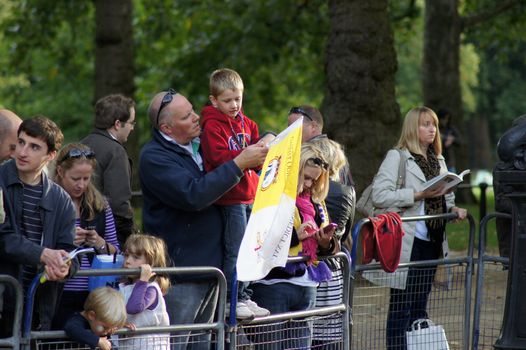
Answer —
(257, 310)
(243, 311)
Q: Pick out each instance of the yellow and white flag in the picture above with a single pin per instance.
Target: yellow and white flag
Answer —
(267, 238)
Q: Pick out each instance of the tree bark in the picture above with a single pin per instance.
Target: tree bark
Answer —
(114, 59)
(360, 106)
(441, 65)
(114, 68)
(441, 70)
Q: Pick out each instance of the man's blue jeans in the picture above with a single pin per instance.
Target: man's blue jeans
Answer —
(279, 298)
(191, 302)
(236, 218)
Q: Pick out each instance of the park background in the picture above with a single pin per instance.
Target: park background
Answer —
(365, 63)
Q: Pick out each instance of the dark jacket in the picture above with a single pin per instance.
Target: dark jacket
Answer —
(58, 220)
(178, 202)
(340, 203)
(113, 175)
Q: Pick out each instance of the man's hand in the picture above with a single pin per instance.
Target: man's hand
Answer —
(55, 266)
(252, 156)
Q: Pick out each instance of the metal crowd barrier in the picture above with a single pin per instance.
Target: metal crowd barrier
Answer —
(490, 297)
(448, 305)
(177, 334)
(324, 327)
(319, 327)
(13, 342)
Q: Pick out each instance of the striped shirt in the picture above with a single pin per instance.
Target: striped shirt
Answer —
(77, 284)
(330, 293)
(31, 225)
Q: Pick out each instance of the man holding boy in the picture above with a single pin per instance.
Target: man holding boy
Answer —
(40, 217)
(226, 132)
(178, 201)
(114, 121)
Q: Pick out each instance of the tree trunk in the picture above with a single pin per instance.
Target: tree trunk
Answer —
(114, 69)
(360, 107)
(441, 65)
(441, 71)
(114, 57)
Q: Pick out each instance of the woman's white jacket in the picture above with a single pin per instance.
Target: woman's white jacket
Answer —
(385, 195)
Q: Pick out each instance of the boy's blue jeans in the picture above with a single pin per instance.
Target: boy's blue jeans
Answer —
(236, 219)
(279, 298)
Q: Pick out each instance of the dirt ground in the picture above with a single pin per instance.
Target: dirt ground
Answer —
(446, 307)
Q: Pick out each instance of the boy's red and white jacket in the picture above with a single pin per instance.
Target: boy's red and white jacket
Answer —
(223, 138)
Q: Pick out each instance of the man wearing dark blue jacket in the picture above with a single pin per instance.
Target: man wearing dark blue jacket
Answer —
(179, 202)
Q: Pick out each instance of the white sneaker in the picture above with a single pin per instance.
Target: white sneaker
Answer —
(243, 311)
(256, 309)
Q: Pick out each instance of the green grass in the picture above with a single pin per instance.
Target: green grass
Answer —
(458, 233)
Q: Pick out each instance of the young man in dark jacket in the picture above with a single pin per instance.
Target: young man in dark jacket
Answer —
(40, 217)
(114, 121)
(178, 200)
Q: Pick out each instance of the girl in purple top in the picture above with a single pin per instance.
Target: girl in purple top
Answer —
(143, 294)
(94, 224)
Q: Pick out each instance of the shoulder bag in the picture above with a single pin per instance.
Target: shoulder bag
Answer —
(365, 203)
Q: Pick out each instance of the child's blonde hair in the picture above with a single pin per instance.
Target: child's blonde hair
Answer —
(108, 306)
(154, 249)
(225, 79)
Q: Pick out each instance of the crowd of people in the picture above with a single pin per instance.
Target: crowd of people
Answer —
(198, 179)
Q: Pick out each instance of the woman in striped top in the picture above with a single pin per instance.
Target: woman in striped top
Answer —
(95, 226)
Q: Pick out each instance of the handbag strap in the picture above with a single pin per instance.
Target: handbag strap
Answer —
(417, 324)
(400, 181)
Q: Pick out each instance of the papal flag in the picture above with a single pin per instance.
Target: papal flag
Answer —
(267, 238)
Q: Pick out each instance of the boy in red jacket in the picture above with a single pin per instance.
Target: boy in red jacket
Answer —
(226, 132)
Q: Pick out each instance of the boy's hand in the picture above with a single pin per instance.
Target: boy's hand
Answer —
(146, 272)
(104, 343)
(130, 326)
(268, 138)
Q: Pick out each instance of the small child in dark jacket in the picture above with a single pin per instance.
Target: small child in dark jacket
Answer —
(104, 313)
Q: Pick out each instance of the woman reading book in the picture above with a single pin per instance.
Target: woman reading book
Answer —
(423, 240)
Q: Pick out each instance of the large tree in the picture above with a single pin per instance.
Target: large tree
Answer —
(114, 54)
(444, 26)
(360, 105)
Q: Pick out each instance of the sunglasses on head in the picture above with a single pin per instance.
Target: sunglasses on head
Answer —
(319, 162)
(78, 153)
(299, 110)
(167, 98)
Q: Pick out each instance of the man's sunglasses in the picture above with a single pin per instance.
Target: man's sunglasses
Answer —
(299, 110)
(167, 98)
(319, 162)
(78, 153)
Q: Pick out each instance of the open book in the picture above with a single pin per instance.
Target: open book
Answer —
(447, 180)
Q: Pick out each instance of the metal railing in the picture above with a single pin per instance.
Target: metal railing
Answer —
(448, 301)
